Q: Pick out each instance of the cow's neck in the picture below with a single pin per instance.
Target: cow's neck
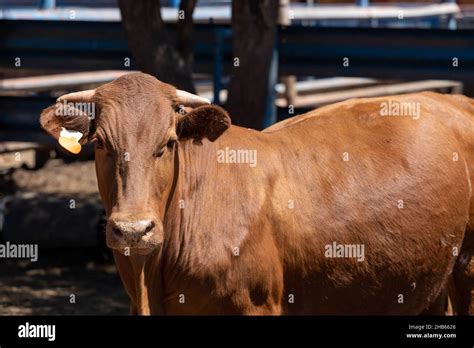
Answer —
(188, 174)
(194, 165)
(194, 243)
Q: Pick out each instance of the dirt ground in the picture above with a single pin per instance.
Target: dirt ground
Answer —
(61, 282)
(74, 274)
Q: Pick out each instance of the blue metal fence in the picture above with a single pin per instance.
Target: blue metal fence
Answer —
(408, 54)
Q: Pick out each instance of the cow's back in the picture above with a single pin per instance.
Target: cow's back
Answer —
(395, 185)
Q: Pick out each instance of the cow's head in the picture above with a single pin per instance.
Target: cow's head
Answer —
(137, 124)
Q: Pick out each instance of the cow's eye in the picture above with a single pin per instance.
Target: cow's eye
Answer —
(98, 143)
(170, 143)
(161, 151)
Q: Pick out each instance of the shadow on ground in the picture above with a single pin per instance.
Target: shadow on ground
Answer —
(45, 287)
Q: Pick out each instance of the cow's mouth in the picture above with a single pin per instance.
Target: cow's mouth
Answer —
(141, 248)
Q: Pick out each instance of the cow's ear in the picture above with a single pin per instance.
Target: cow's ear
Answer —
(62, 116)
(208, 121)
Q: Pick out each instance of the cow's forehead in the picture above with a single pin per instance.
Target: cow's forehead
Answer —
(136, 93)
(134, 104)
(149, 114)
(140, 89)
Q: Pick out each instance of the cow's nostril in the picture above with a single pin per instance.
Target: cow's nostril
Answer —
(150, 227)
(131, 232)
(117, 233)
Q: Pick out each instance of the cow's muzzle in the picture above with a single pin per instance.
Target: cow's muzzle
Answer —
(141, 235)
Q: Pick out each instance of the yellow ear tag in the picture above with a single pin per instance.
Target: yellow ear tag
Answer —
(70, 140)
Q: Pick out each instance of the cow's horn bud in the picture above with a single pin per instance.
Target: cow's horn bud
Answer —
(189, 99)
(82, 95)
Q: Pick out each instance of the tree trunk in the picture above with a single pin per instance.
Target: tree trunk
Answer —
(254, 31)
(152, 46)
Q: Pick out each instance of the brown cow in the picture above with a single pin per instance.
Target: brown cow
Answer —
(354, 208)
